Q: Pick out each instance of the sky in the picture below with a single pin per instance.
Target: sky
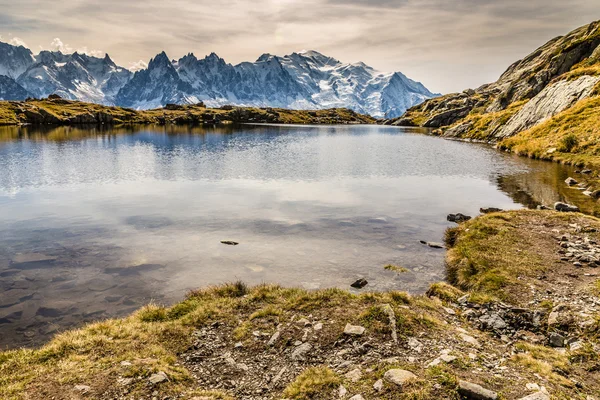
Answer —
(448, 45)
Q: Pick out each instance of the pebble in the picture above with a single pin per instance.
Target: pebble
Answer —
(378, 386)
(536, 396)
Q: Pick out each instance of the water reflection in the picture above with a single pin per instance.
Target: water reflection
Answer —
(96, 222)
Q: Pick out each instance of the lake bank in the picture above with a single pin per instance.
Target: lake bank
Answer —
(268, 342)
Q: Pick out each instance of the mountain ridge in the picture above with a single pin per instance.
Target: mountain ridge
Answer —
(301, 80)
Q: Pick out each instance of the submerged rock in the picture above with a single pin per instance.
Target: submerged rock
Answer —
(489, 210)
(229, 242)
(458, 218)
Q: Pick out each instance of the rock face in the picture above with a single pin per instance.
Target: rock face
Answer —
(11, 90)
(549, 102)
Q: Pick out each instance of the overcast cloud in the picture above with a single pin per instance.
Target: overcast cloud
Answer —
(449, 45)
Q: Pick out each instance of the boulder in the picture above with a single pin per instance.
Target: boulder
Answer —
(473, 391)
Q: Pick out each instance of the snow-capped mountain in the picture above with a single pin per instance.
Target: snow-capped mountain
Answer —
(74, 76)
(14, 60)
(11, 90)
(304, 80)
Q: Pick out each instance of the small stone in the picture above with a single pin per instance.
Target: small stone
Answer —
(342, 391)
(354, 375)
(318, 326)
(473, 391)
(125, 364)
(458, 218)
(398, 376)
(354, 330)
(274, 339)
(300, 352)
(158, 378)
(536, 396)
(533, 386)
(359, 284)
(449, 310)
(378, 386)
(575, 346)
(470, 339)
(571, 181)
(357, 397)
(556, 340)
(82, 388)
(415, 345)
(435, 245)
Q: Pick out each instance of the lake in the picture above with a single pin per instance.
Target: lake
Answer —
(95, 223)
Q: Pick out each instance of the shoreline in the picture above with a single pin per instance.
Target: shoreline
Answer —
(266, 342)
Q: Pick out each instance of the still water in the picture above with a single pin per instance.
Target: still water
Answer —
(94, 223)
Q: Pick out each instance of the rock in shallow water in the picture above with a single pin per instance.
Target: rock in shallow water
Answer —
(564, 207)
(458, 218)
(359, 284)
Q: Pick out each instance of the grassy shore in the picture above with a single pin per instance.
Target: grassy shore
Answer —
(58, 111)
(267, 342)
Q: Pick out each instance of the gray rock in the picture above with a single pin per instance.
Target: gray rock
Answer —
(354, 330)
(490, 210)
(274, 339)
(556, 340)
(398, 376)
(301, 351)
(82, 388)
(473, 391)
(378, 386)
(158, 378)
(357, 397)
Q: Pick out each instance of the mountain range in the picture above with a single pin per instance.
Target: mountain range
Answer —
(304, 80)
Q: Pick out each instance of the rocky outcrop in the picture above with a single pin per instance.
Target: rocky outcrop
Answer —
(551, 101)
(552, 78)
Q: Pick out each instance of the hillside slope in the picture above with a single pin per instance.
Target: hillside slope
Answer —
(552, 79)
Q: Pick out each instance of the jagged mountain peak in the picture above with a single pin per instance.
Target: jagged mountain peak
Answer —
(302, 80)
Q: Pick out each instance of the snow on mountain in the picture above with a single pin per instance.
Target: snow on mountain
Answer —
(14, 60)
(11, 90)
(303, 80)
(74, 76)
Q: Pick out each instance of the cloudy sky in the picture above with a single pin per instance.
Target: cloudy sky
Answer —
(449, 45)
